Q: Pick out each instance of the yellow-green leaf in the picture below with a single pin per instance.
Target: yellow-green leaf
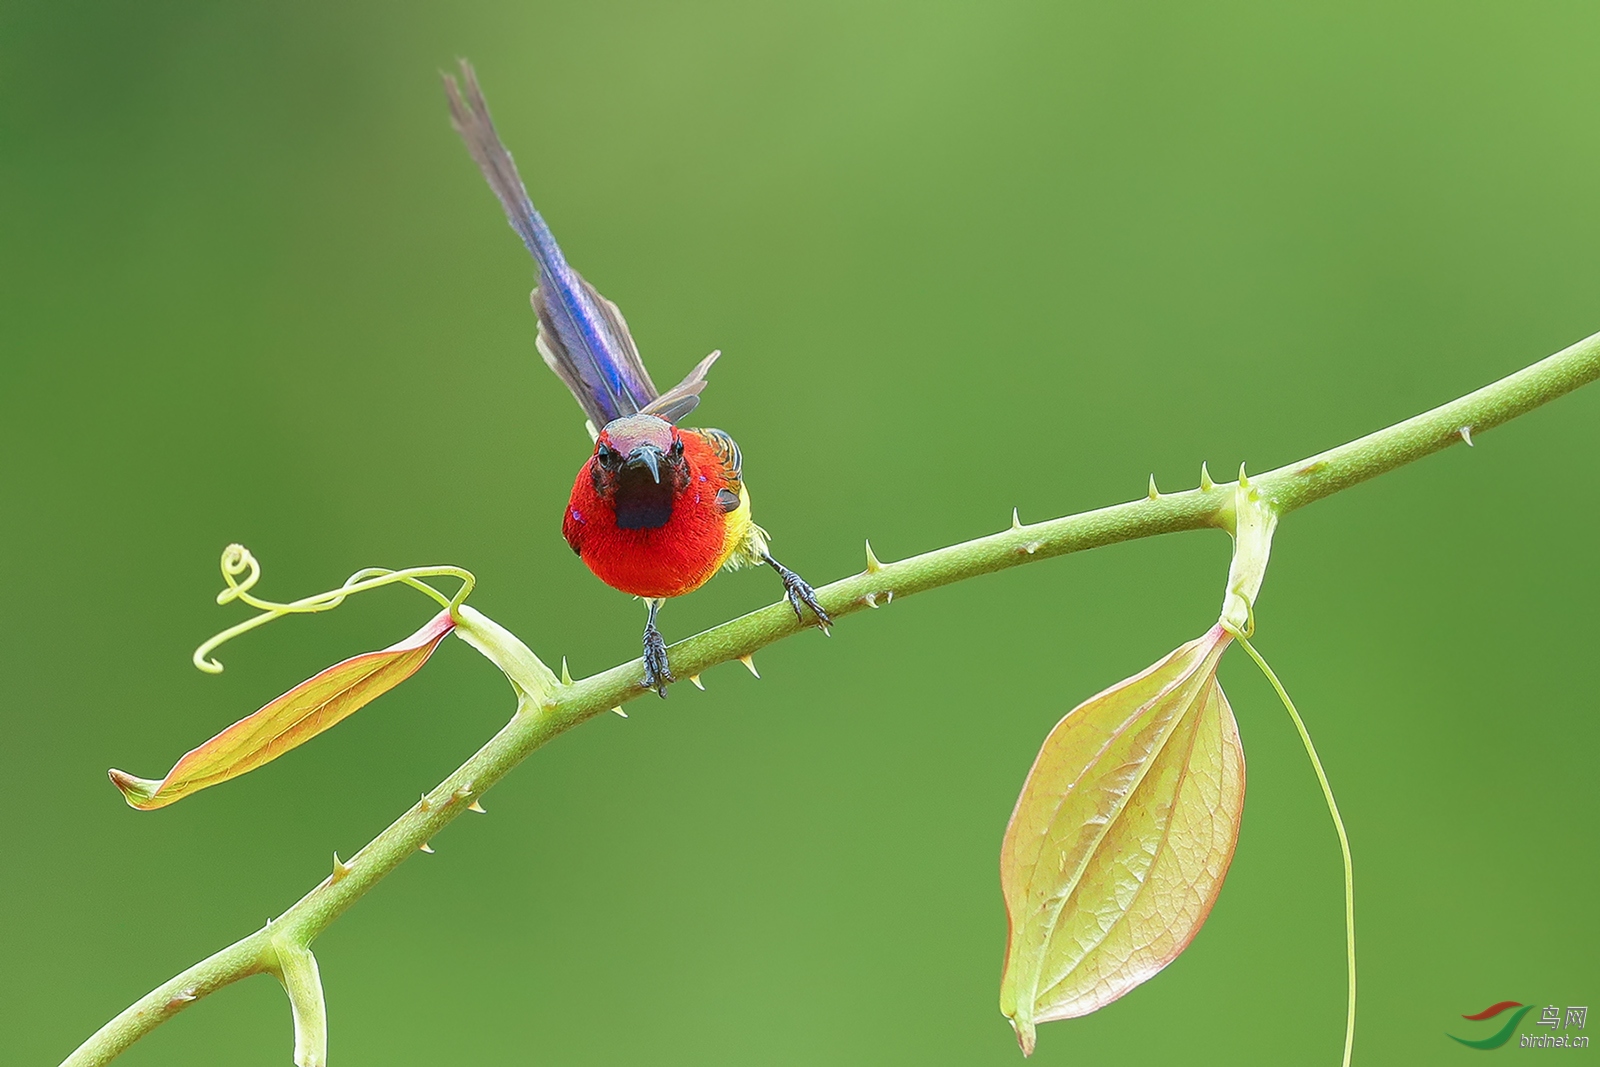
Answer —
(292, 719)
(1120, 839)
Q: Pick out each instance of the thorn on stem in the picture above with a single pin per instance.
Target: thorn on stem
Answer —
(1155, 494)
(619, 711)
(341, 868)
(870, 599)
(464, 792)
(425, 847)
(1466, 435)
(750, 663)
(873, 563)
(477, 807)
(888, 597)
(694, 680)
(566, 675)
(424, 804)
(1016, 520)
(1206, 484)
(1244, 479)
(181, 998)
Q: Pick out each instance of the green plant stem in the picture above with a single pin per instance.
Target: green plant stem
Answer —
(1286, 488)
(1298, 484)
(1344, 840)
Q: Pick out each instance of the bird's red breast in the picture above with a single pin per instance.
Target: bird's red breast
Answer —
(683, 552)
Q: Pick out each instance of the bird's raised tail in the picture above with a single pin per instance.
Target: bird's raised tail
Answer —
(582, 335)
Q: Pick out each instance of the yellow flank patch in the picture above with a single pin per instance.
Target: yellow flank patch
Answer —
(744, 543)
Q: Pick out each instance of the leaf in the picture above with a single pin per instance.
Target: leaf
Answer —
(292, 719)
(1121, 838)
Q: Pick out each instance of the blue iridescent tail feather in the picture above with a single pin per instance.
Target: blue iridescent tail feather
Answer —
(582, 335)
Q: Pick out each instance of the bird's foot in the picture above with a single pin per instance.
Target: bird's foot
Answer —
(656, 672)
(800, 594)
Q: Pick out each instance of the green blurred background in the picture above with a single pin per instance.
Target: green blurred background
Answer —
(960, 257)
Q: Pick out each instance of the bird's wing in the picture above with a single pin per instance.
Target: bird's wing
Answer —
(727, 451)
(582, 335)
(745, 543)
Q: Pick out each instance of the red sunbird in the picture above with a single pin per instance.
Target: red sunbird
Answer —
(658, 508)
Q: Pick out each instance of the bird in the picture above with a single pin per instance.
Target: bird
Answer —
(658, 508)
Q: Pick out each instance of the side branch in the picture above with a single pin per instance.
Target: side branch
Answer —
(1287, 487)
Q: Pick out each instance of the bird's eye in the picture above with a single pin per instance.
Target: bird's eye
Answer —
(677, 448)
(607, 456)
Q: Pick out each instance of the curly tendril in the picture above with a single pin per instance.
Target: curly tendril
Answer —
(237, 560)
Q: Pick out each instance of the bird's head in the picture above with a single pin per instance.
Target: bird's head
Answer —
(639, 469)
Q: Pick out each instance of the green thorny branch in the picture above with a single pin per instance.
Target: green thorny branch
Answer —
(548, 706)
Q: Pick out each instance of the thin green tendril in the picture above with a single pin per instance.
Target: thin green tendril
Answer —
(237, 560)
(1338, 824)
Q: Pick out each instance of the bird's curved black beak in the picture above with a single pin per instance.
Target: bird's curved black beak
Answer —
(648, 457)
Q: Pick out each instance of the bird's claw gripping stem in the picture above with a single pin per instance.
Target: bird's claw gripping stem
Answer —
(799, 593)
(656, 672)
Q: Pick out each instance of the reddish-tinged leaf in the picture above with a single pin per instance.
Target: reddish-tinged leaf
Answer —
(1120, 839)
(294, 718)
